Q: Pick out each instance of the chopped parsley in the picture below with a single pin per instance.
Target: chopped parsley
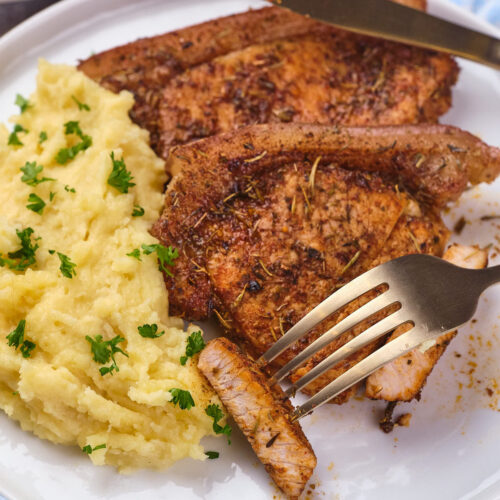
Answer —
(73, 127)
(215, 412)
(195, 343)
(30, 174)
(66, 154)
(52, 196)
(16, 339)
(35, 203)
(120, 178)
(81, 106)
(26, 348)
(13, 139)
(182, 398)
(104, 351)
(69, 189)
(42, 137)
(149, 331)
(23, 103)
(88, 449)
(25, 256)
(166, 256)
(138, 211)
(67, 267)
(212, 454)
(135, 253)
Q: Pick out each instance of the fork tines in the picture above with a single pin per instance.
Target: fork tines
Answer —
(385, 302)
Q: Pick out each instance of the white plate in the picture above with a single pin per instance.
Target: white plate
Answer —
(451, 450)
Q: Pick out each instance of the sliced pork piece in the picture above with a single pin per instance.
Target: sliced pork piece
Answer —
(261, 414)
(404, 378)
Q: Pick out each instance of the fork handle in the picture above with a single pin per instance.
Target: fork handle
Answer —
(489, 275)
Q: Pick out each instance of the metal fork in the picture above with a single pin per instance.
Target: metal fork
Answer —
(434, 295)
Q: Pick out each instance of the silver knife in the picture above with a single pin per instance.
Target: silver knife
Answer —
(386, 19)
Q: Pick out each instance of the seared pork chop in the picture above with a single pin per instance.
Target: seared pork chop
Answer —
(271, 65)
(270, 220)
(326, 78)
(404, 378)
(263, 414)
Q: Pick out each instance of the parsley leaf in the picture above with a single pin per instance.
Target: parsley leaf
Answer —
(13, 139)
(69, 189)
(195, 343)
(36, 204)
(16, 339)
(42, 137)
(182, 398)
(52, 195)
(215, 412)
(25, 256)
(212, 454)
(81, 105)
(138, 211)
(73, 127)
(88, 449)
(30, 174)
(100, 349)
(66, 154)
(135, 253)
(120, 178)
(67, 267)
(26, 348)
(166, 255)
(23, 103)
(104, 351)
(149, 331)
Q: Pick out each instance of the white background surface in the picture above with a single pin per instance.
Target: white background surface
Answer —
(452, 448)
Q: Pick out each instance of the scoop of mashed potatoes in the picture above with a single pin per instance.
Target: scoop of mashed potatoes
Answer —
(90, 277)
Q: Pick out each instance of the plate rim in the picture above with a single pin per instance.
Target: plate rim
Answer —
(11, 40)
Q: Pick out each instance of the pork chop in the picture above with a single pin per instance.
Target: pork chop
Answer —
(263, 414)
(326, 78)
(388, 82)
(270, 220)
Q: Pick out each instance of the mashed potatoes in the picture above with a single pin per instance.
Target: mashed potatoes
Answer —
(58, 391)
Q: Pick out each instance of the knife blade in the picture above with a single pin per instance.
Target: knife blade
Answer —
(392, 21)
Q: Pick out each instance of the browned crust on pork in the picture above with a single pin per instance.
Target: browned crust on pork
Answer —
(146, 66)
(262, 413)
(416, 4)
(326, 76)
